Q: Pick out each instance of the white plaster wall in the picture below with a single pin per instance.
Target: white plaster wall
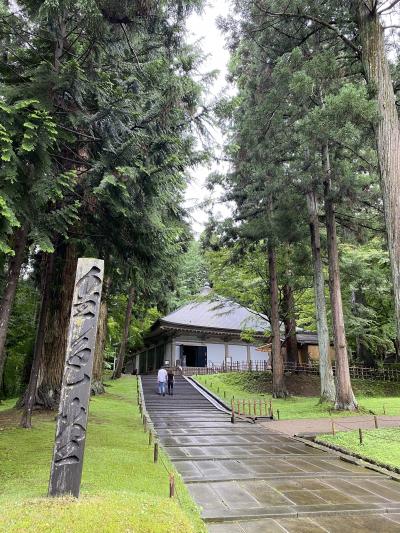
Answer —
(215, 354)
(238, 353)
(258, 356)
(177, 353)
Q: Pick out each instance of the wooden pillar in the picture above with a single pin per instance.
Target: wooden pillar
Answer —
(67, 463)
(173, 352)
(155, 358)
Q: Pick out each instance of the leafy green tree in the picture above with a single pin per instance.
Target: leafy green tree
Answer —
(192, 274)
(358, 29)
(299, 125)
(117, 84)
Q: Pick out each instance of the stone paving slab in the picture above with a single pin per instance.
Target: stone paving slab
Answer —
(371, 523)
(224, 430)
(248, 478)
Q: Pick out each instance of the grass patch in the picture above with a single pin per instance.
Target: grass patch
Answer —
(371, 395)
(7, 404)
(122, 489)
(379, 445)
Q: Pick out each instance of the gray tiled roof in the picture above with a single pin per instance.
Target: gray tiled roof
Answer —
(220, 314)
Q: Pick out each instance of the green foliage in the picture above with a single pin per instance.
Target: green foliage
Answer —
(368, 299)
(241, 277)
(20, 339)
(379, 445)
(192, 275)
(27, 132)
(143, 317)
(298, 92)
(97, 130)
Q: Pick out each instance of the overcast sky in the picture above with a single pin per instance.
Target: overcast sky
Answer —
(203, 28)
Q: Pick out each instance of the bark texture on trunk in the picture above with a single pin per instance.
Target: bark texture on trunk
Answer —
(14, 268)
(30, 394)
(97, 386)
(278, 375)
(344, 393)
(328, 389)
(55, 344)
(127, 322)
(387, 131)
(290, 324)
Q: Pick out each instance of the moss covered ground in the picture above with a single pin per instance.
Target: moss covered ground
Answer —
(373, 397)
(7, 404)
(122, 489)
(379, 445)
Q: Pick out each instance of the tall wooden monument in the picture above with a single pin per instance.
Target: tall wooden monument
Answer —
(66, 468)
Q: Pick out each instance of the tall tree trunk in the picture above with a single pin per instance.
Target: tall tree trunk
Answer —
(14, 269)
(344, 393)
(290, 324)
(125, 333)
(55, 344)
(97, 386)
(387, 131)
(30, 395)
(278, 375)
(328, 390)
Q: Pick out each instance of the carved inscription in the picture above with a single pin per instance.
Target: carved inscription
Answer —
(66, 469)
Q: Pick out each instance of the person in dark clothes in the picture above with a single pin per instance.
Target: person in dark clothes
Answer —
(170, 382)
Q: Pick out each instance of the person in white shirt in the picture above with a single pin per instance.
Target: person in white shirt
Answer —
(162, 378)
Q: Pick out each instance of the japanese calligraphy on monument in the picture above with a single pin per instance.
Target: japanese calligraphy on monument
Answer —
(66, 468)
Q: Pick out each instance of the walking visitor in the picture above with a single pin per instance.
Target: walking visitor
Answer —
(170, 382)
(162, 377)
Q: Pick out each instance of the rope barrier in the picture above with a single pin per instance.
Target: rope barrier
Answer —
(361, 432)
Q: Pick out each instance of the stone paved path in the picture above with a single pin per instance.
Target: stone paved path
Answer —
(248, 479)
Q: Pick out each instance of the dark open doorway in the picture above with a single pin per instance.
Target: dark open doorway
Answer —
(195, 355)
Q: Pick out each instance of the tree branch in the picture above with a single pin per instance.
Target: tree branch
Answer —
(389, 7)
(315, 19)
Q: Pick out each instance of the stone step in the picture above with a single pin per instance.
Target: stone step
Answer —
(275, 476)
(298, 511)
(240, 473)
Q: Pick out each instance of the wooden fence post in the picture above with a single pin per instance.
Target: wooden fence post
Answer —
(360, 435)
(171, 485)
(155, 454)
